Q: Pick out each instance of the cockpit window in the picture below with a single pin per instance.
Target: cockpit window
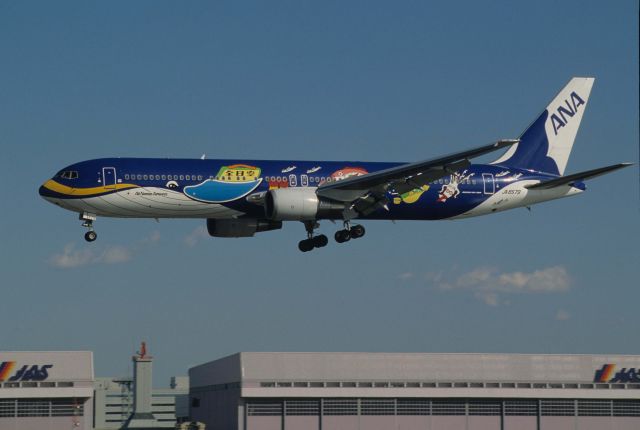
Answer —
(69, 174)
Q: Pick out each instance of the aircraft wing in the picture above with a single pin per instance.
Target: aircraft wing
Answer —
(565, 180)
(367, 192)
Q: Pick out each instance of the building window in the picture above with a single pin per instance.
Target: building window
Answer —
(626, 408)
(489, 407)
(521, 407)
(558, 407)
(377, 407)
(413, 407)
(448, 407)
(264, 409)
(340, 407)
(11, 408)
(302, 407)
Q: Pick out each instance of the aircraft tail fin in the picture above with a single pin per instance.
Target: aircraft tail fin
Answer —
(546, 144)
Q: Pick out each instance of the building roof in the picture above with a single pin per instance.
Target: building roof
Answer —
(358, 366)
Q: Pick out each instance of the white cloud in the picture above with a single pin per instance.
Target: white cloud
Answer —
(154, 237)
(489, 285)
(115, 255)
(196, 236)
(405, 276)
(562, 315)
(71, 257)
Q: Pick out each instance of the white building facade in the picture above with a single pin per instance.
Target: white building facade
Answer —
(46, 390)
(114, 402)
(382, 391)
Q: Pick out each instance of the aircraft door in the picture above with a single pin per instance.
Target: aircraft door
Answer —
(109, 177)
(489, 184)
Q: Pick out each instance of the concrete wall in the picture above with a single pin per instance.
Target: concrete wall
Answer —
(220, 410)
(48, 423)
(439, 423)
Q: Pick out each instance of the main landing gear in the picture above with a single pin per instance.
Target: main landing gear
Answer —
(349, 232)
(312, 241)
(88, 219)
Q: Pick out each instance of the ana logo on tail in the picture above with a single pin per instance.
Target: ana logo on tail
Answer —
(563, 114)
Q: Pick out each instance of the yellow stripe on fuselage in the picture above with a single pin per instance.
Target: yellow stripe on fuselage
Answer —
(70, 191)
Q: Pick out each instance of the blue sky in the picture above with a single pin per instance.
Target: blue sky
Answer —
(371, 81)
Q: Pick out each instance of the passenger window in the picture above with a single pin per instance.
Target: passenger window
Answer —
(164, 177)
(139, 177)
(188, 177)
(145, 177)
(182, 177)
(199, 177)
(157, 177)
(126, 176)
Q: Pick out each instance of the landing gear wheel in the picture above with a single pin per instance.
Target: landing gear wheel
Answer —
(342, 236)
(305, 245)
(90, 236)
(320, 241)
(357, 231)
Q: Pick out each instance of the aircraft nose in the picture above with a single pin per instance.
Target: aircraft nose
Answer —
(45, 192)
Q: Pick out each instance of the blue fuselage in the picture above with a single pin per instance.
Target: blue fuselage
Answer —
(174, 188)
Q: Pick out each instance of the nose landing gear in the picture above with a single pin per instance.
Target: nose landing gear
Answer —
(312, 241)
(88, 219)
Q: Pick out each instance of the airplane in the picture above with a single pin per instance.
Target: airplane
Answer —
(239, 198)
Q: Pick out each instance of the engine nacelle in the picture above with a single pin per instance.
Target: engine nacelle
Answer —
(243, 227)
(299, 204)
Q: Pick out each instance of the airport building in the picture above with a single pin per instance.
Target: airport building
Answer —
(114, 402)
(58, 391)
(384, 391)
(133, 403)
(46, 390)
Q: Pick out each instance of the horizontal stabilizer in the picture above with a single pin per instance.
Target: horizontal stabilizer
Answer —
(566, 180)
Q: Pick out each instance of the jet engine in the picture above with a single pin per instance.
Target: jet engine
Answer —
(299, 204)
(242, 227)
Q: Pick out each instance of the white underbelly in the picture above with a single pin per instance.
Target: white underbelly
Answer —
(515, 195)
(149, 202)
